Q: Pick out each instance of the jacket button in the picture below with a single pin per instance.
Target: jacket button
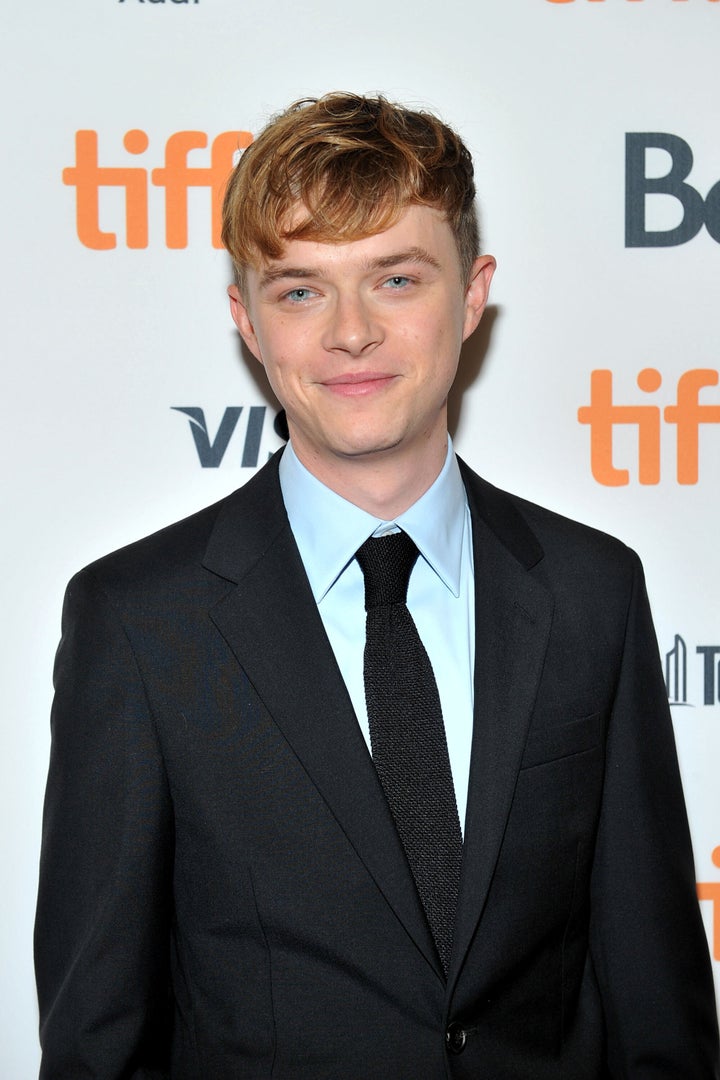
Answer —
(455, 1038)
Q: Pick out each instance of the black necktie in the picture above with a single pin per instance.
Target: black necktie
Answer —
(407, 734)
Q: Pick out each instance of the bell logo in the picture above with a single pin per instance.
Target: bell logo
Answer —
(176, 176)
(687, 414)
(696, 211)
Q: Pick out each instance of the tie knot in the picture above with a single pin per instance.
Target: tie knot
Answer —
(386, 563)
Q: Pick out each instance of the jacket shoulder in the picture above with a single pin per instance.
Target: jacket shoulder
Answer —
(536, 534)
(176, 557)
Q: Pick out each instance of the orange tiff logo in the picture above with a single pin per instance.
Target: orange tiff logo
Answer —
(176, 176)
(710, 890)
(686, 414)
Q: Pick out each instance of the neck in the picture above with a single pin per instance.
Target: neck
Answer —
(383, 484)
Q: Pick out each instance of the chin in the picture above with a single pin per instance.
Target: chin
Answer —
(369, 447)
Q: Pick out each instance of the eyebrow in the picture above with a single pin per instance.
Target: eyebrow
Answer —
(382, 262)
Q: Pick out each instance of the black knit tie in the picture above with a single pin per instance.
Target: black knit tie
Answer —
(407, 734)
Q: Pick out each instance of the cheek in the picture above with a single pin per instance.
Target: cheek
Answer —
(285, 375)
(436, 324)
(435, 345)
(288, 349)
(421, 337)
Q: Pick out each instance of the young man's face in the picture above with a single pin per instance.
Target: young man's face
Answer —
(361, 340)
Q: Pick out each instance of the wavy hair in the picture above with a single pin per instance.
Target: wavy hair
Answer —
(343, 167)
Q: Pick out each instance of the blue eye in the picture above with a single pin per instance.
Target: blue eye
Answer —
(397, 281)
(297, 296)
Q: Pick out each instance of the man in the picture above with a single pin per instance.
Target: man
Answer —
(444, 838)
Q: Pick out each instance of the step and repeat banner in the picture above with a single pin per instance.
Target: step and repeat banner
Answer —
(592, 385)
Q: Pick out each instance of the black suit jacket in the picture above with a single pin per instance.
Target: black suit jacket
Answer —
(223, 893)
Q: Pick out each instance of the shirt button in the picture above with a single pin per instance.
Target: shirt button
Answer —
(455, 1038)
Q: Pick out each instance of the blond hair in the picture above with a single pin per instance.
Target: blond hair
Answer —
(343, 167)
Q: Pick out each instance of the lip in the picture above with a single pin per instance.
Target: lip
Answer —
(355, 383)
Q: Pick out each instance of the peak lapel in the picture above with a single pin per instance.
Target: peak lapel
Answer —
(271, 622)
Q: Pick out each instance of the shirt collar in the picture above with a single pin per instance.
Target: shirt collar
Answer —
(328, 529)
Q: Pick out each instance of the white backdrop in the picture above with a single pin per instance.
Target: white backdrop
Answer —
(101, 345)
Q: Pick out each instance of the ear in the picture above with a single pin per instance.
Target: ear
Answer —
(242, 320)
(476, 295)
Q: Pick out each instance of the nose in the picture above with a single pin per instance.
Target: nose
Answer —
(352, 327)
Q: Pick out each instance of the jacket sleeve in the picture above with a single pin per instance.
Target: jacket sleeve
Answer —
(104, 904)
(648, 944)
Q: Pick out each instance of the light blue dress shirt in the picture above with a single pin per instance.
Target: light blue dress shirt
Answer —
(328, 531)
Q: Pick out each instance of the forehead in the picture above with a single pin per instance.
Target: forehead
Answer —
(420, 234)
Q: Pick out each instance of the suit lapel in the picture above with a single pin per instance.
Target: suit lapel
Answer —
(513, 613)
(271, 622)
